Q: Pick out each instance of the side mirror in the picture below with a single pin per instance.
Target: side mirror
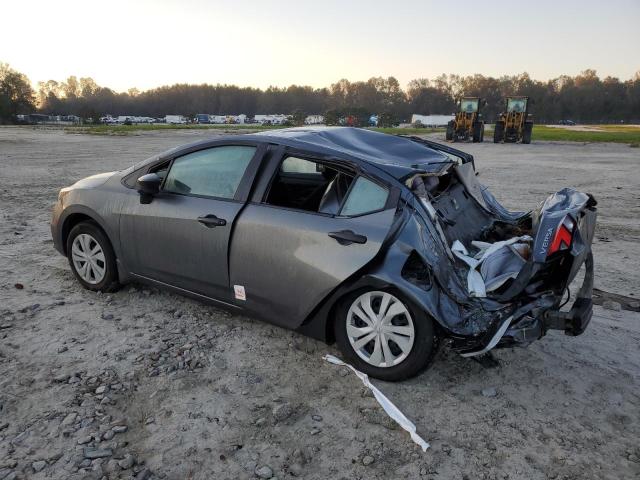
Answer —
(148, 185)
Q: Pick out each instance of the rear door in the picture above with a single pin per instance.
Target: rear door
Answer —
(286, 260)
(182, 237)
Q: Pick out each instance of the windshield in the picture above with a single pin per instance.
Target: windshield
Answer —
(517, 105)
(469, 105)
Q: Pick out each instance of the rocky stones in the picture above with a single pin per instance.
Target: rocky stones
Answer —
(38, 466)
(282, 412)
(112, 466)
(101, 389)
(489, 392)
(264, 472)
(69, 419)
(316, 418)
(120, 428)
(143, 474)
(367, 460)
(93, 453)
(127, 462)
(60, 378)
(9, 463)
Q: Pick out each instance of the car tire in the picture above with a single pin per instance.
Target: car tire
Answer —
(91, 258)
(498, 132)
(526, 134)
(411, 362)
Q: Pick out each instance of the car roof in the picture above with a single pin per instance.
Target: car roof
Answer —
(394, 154)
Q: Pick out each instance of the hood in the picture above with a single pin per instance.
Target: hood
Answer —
(93, 181)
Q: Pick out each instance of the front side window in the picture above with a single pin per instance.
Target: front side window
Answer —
(365, 197)
(215, 172)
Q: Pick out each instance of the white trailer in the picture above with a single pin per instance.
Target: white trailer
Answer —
(432, 120)
(175, 120)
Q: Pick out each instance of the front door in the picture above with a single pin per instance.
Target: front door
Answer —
(182, 237)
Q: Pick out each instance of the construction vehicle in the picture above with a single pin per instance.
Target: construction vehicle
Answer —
(516, 123)
(468, 124)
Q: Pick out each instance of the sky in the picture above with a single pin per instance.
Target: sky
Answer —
(145, 44)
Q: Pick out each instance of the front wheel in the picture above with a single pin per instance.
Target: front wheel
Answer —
(91, 258)
(383, 335)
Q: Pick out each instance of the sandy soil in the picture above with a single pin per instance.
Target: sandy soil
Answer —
(158, 386)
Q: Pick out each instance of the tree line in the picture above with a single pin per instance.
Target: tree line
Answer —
(584, 98)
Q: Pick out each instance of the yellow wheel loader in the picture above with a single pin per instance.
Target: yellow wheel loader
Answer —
(468, 124)
(515, 124)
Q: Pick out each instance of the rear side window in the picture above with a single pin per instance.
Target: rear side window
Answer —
(215, 172)
(299, 165)
(365, 196)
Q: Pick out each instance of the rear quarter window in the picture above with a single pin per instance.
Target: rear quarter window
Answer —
(365, 196)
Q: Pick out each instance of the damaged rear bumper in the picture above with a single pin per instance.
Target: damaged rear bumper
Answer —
(530, 322)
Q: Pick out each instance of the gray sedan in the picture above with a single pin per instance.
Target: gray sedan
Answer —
(386, 245)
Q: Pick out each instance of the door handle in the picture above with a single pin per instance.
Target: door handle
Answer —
(211, 221)
(347, 237)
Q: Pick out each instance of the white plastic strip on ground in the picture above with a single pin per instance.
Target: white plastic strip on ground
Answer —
(386, 404)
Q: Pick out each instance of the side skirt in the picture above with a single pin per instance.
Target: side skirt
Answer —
(185, 292)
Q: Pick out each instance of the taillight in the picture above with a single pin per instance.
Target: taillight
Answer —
(563, 236)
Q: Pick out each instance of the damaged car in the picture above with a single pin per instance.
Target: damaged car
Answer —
(386, 245)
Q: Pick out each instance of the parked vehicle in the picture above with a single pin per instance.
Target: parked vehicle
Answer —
(468, 124)
(175, 120)
(515, 124)
(343, 234)
(566, 122)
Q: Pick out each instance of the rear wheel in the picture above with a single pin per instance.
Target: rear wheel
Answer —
(91, 258)
(498, 132)
(526, 134)
(383, 335)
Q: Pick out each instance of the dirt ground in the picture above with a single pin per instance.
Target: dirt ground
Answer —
(146, 384)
